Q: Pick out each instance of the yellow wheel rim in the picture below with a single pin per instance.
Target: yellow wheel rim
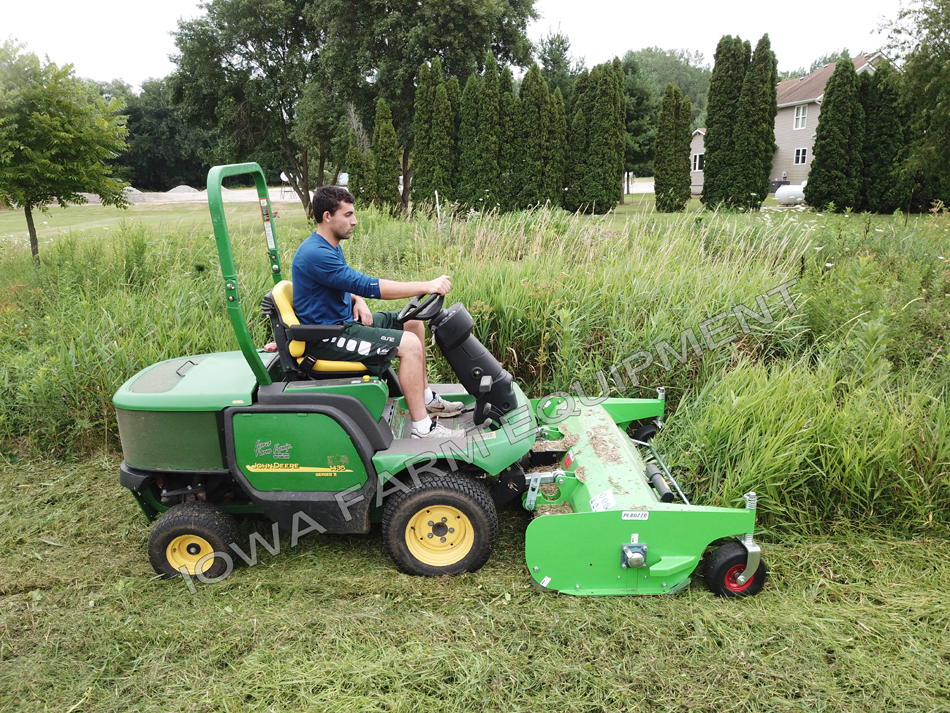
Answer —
(440, 535)
(186, 551)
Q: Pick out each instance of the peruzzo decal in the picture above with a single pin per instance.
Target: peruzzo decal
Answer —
(635, 515)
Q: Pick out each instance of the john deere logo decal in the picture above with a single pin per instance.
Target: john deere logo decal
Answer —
(297, 468)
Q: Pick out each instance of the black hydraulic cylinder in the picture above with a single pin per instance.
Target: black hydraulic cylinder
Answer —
(659, 484)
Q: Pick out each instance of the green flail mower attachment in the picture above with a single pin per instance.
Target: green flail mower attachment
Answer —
(607, 520)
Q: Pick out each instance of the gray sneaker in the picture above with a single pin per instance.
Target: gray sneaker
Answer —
(438, 431)
(440, 406)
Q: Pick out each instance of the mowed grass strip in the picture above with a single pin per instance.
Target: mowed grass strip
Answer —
(853, 620)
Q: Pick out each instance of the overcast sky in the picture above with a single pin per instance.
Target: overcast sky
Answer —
(118, 39)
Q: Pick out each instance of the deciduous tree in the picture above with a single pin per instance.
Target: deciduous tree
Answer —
(921, 36)
(242, 69)
(164, 151)
(56, 138)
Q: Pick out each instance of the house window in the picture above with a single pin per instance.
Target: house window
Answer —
(801, 115)
(800, 156)
(698, 160)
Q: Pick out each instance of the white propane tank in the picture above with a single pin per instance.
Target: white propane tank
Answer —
(791, 195)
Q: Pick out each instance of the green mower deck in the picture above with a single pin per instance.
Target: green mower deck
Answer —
(604, 528)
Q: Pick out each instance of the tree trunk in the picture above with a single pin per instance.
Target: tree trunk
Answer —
(405, 182)
(34, 244)
(322, 165)
(623, 186)
(303, 192)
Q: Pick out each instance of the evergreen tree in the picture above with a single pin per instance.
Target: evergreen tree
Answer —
(508, 114)
(574, 197)
(529, 175)
(579, 99)
(488, 180)
(454, 94)
(836, 165)
(725, 88)
(506, 83)
(422, 167)
(667, 168)
(556, 151)
(620, 133)
(558, 68)
(356, 168)
(575, 174)
(882, 187)
(600, 188)
(681, 160)
(641, 111)
(467, 187)
(509, 149)
(386, 157)
(754, 133)
(440, 146)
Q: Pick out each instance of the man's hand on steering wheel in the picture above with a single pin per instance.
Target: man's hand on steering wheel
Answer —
(440, 285)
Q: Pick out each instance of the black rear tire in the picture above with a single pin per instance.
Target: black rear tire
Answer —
(447, 525)
(723, 567)
(186, 534)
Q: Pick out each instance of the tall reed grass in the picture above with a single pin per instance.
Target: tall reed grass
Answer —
(834, 408)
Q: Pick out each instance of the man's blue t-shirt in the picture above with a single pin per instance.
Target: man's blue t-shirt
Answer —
(323, 283)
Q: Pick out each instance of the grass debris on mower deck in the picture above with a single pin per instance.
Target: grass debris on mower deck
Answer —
(326, 447)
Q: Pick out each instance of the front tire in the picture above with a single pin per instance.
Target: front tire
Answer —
(186, 535)
(447, 525)
(723, 568)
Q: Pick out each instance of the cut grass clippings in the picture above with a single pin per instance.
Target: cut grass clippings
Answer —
(853, 621)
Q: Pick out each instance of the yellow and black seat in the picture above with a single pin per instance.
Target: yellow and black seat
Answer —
(292, 338)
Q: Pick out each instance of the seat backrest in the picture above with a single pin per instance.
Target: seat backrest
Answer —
(278, 305)
(283, 296)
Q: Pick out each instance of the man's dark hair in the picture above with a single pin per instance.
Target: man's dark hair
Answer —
(328, 199)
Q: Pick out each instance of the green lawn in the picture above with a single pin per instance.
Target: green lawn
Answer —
(836, 410)
(94, 220)
(850, 621)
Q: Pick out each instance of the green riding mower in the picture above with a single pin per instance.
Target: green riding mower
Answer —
(325, 447)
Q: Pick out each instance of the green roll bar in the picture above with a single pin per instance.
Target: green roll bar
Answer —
(228, 272)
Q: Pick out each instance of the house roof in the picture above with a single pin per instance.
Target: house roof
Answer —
(812, 87)
(700, 131)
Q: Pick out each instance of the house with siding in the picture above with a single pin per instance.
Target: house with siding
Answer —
(799, 105)
(696, 152)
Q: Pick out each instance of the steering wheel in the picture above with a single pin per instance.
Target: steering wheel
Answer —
(421, 307)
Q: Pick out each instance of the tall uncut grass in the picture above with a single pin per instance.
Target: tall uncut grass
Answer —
(835, 408)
